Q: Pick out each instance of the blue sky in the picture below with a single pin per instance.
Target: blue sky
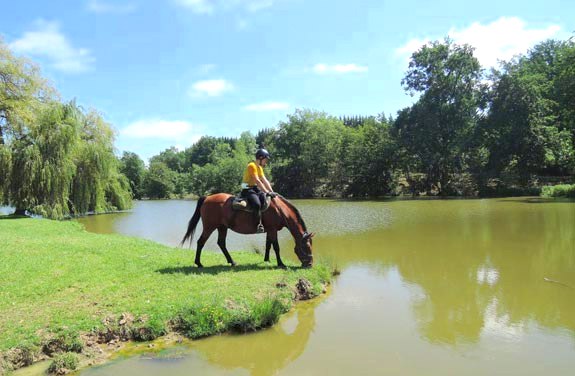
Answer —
(164, 73)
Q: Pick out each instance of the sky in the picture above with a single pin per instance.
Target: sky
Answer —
(166, 72)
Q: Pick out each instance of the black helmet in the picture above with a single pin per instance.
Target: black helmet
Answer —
(262, 153)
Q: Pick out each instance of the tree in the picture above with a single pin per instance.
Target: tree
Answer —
(199, 153)
(436, 129)
(529, 127)
(159, 181)
(133, 167)
(304, 160)
(22, 92)
(63, 164)
(368, 160)
(55, 158)
(225, 169)
(174, 159)
(98, 184)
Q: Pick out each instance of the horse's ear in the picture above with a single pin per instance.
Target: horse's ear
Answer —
(312, 235)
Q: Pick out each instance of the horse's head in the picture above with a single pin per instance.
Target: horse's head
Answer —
(304, 250)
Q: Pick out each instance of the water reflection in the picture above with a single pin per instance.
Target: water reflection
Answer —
(475, 261)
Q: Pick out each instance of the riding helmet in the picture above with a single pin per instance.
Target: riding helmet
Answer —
(262, 153)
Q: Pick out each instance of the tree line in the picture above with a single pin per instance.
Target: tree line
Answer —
(505, 131)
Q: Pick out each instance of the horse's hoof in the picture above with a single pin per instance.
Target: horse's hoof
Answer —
(232, 264)
(199, 265)
(282, 266)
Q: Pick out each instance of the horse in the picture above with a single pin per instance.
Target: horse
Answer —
(216, 212)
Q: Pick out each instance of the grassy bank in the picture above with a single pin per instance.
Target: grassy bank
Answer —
(64, 290)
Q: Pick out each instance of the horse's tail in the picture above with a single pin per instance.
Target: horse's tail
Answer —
(193, 222)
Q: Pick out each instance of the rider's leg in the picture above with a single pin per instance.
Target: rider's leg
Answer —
(255, 204)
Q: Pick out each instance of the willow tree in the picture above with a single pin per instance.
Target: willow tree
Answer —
(22, 92)
(64, 165)
(98, 184)
(55, 159)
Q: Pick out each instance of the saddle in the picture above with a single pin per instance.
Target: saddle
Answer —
(241, 204)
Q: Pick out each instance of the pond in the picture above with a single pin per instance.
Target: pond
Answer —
(428, 287)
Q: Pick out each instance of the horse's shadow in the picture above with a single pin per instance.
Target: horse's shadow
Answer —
(217, 269)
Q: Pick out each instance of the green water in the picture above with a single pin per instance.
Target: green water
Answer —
(427, 287)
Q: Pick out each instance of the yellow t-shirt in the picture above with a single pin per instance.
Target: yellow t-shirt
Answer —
(250, 174)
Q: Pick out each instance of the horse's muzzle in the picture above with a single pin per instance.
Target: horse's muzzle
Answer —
(308, 263)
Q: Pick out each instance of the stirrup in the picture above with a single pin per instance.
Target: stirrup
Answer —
(260, 229)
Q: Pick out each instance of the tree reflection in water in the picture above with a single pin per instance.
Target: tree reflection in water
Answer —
(480, 264)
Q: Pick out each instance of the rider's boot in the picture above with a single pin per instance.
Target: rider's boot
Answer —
(260, 228)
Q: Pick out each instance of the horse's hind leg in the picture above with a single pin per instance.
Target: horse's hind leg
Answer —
(273, 240)
(268, 247)
(277, 251)
(222, 232)
(201, 242)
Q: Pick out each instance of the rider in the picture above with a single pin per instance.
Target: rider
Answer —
(255, 186)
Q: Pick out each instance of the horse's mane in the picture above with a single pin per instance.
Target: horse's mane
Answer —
(294, 209)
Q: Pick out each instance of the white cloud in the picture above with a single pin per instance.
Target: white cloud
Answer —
(210, 88)
(339, 68)
(147, 137)
(158, 128)
(46, 41)
(210, 6)
(98, 6)
(267, 106)
(499, 40)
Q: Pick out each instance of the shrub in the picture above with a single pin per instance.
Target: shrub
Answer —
(561, 190)
(149, 331)
(263, 314)
(63, 363)
(200, 321)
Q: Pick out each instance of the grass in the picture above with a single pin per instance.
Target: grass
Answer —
(59, 282)
(561, 190)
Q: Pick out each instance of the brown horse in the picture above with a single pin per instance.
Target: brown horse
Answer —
(216, 213)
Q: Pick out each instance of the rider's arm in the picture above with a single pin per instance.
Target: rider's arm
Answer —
(261, 185)
(267, 184)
